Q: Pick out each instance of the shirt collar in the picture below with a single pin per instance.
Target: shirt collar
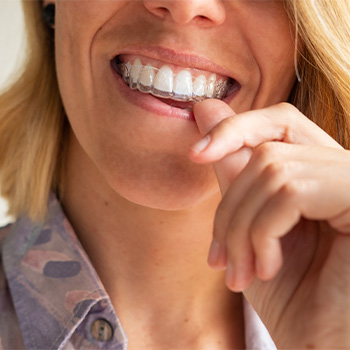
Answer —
(52, 281)
(256, 335)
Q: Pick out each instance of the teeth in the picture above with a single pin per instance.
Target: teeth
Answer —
(164, 83)
(135, 73)
(183, 85)
(145, 81)
(126, 71)
(199, 86)
(211, 86)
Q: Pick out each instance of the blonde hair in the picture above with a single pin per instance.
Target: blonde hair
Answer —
(323, 93)
(33, 126)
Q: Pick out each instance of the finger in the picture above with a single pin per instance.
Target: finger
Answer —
(283, 209)
(273, 178)
(250, 195)
(226, 170)
(265, 156)
(250, 190)
(230, 167)
(281, 122)
(208, 114)
(272, 165)
(239, 246)
(314, 199)
(240, 258)
(239, 188)
(341, 222)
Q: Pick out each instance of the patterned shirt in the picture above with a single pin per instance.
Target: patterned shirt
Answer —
(52, 298)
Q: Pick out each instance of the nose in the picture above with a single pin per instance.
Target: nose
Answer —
(208, 12)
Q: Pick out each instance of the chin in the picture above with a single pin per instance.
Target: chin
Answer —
(176, 193)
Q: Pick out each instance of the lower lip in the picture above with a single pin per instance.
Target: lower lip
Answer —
(150, 103)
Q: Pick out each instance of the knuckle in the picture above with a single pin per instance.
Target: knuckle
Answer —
(289, 112)
(265, 152)
(280, 170)
(342, 228)
(291, 189)
(275, 170)
(227, 123)
(224, 129)
(341, 222)
(230, 120)
(287, 107)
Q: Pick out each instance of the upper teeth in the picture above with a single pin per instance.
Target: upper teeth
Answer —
(164, 83)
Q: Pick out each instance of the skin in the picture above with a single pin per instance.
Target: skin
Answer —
(294, 271)
(143, 206)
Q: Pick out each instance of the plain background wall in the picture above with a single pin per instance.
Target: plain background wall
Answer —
(11, 52)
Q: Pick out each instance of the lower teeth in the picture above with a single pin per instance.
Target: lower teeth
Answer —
(142, 79)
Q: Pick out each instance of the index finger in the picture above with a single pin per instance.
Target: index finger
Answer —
(282, 122)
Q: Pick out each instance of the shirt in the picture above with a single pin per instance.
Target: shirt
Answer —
(52, 298)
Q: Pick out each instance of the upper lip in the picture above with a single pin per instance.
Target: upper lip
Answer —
(171, 56)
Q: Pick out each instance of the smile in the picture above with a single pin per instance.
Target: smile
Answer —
(174, 83)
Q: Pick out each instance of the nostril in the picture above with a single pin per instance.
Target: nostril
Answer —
(161, 12)
(204, 12)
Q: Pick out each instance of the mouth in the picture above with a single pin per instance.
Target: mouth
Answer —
(176, 86)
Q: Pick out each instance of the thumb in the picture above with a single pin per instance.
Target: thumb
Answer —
(207, 115)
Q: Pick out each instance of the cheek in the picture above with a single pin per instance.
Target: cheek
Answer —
(77, 23)
(85, 17)
(270, 35)
(277, 63)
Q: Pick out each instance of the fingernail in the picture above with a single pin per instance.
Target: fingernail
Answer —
(235, 278)
(230, 276)
(216, 255)
(201, 145)
(258, 268)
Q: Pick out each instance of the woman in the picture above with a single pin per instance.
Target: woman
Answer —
(259, 93)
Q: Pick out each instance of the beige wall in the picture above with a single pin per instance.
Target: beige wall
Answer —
(11, 38)
(11, 50)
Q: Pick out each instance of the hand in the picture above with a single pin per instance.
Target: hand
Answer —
(283, 226)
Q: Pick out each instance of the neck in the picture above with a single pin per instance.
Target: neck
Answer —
(155, 259)
(143, 249)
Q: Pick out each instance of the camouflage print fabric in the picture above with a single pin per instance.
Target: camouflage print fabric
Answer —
(52, 298)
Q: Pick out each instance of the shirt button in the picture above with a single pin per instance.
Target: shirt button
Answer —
(102, 330)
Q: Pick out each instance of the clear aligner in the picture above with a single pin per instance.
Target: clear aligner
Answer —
(196, 89)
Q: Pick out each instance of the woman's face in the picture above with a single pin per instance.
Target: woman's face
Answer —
(139, 143)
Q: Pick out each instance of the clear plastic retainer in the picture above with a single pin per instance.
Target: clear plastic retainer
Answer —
(213, 89)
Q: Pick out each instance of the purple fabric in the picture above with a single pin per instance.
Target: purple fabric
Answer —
(50, 293)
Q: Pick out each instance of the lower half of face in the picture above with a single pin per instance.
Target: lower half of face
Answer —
(130, 71)
(147, 166)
